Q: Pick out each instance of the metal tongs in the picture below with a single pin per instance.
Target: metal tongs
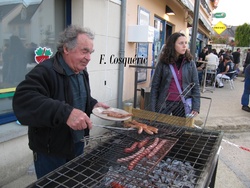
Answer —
(113, 127)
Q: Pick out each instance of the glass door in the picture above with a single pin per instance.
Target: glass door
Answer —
(159, 28)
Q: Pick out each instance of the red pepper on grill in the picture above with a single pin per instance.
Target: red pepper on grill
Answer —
(116, 185)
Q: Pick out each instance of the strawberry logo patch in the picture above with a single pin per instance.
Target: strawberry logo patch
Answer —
(42, 53)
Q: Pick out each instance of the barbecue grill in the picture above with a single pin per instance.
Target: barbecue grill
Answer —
(189, 159)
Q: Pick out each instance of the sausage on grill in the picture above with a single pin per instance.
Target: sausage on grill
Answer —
(128, 158)
(156, 149)
(153, 129)
(148, 129)
(156, 141)
(129, 124)
(131, 148)
(137, 159)
(143, 142)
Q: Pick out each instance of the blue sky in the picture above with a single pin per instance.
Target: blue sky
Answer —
(237, 12)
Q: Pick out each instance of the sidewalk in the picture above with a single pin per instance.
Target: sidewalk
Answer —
(225, 114)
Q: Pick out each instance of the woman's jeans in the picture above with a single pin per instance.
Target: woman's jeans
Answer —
(45, 163)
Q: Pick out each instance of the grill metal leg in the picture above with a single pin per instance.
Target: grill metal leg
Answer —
(212, 183)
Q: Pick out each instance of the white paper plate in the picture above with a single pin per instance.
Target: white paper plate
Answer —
(98, 112)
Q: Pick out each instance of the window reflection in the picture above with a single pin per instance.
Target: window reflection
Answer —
(25, 25)
(15, 60)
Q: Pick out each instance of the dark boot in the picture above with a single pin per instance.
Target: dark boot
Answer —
(246, 108)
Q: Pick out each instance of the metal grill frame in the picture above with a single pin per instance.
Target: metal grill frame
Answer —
(198, 146)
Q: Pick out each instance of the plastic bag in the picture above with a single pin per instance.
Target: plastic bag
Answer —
(188, 106)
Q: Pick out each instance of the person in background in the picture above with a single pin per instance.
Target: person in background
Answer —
(55, 102)
(31, 47)
(212, 65)
(246, 92)
(6, 63)
(229, 53)
(247, 60)
(212, 59)
(164, 97)
(224, 70)
(215, 52)
(221, 55)
(200, 70)
(200, 66)
(236, 58)
(203, 54)
(16, 65)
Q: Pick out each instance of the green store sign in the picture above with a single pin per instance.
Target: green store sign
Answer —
(220, 15)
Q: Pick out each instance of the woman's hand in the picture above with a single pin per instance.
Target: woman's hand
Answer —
(193, 114)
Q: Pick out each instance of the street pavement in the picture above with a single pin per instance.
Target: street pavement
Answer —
(233, 166)
(225, 112)
(220, 111)
(226, 115)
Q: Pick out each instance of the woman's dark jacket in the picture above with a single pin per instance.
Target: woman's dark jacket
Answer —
(161, 82)
(43, 101)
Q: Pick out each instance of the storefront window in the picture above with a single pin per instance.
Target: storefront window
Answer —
(24, 27)
(158, 37)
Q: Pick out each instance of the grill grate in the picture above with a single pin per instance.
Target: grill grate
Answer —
(193, 149)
